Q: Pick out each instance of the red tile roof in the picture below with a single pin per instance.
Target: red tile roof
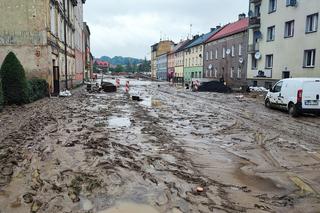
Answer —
(231, 29)
(102, 63)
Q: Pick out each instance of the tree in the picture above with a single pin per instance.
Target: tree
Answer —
(14, 82)
(119, 68)
(1, 97)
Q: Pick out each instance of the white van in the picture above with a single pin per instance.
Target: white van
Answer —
(297, 95)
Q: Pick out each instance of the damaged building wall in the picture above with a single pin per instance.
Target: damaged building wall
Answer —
(25, 34)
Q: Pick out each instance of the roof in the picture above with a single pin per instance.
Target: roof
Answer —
(231, 29)
(101, 63)
(178, 46)
(201, 39)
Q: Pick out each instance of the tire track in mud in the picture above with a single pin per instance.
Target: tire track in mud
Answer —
(260, 137)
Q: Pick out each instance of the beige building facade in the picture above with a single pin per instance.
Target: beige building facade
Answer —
(42, 34)
(284, 40)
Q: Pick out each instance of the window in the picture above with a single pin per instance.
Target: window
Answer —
(312, 23)
(232, 51)
(53, 19)
(240, 49)
(269, 61)
(277, 87)
(239, 73)
(211, 55)
(216, 54)
(285, 74)
(223, 52)
(289, 29)
(272, 6)
(271, 33)
(231, 73)
(257, 10)
(207, 56)
(215, 72)
(309, 58)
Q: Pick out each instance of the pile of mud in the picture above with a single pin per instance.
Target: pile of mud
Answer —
(214, 86)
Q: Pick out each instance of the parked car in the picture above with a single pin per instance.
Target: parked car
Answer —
(296, 95)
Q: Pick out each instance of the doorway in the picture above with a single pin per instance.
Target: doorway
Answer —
(56, 78)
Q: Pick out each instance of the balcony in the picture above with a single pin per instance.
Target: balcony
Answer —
(255, 1)
(254, 22)
(253, 48)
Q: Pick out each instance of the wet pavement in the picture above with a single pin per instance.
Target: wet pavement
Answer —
(106, 153)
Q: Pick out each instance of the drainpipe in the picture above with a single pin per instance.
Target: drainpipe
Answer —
(65, 44)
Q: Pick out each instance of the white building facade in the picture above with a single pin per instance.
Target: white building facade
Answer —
(284, 40)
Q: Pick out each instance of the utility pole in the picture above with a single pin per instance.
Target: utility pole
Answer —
(65, 43)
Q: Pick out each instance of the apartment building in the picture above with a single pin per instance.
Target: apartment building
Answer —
(225, 54)
(284, 40)
(179, 61)
(42, 34)
(193, 56)
(162, 67)
(157, 50)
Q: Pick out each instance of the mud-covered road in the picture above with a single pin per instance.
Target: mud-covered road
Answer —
(106, 153)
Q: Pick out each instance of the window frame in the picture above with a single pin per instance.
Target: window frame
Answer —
(274, 9)
(273, 30)
(308, 22)
(267, 62)
(313, 58)
(286, 35)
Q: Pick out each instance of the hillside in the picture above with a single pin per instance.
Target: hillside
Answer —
(119, 60)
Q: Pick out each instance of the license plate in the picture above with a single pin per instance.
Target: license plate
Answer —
(312, 103)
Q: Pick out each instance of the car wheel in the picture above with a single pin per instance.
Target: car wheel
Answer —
(293, 111)
(267, 103)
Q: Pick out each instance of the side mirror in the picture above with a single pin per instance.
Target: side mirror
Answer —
(271, 90)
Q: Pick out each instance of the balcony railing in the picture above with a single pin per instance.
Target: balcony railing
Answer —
(253, 48)
(255, 1)
(254, 22)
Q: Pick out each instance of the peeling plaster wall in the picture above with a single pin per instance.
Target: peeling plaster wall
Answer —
(23, 30)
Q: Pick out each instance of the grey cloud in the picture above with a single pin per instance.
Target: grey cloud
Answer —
(130, 27)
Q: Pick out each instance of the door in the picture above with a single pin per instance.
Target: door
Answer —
(276, 96)
(56, 80)
(311, 94)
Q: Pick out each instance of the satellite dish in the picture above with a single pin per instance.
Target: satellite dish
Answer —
(241, 60)
(210, 66)
(257, 55)
(228, 51)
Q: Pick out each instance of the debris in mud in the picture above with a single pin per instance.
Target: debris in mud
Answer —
(108, 87)
(36, 205)
(200, 189)
(214, 86)
(28, 198)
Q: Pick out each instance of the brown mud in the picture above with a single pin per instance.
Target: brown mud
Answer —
(106, 153)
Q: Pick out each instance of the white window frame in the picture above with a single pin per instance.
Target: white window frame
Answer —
(274, 8)
(289, 29)
(231, 72)
(223, 52)
(240, 49)
(271, 33)
(239, 73)
(216, 56)
(312, 59)
(312, 23)
(269, 64)
(232, 51)
(211, 55)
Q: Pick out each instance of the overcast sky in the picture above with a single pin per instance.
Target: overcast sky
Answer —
(130, 27)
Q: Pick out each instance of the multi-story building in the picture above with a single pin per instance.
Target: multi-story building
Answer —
(42, 34)
(173, 59)
(88, 70)
(157, 50)
(284, 40)
(162, 67)
(178, 61)
(225, 54)
(193, 57)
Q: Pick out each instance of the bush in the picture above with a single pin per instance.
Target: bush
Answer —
(38, 89)
(14, 83)
(1, 97)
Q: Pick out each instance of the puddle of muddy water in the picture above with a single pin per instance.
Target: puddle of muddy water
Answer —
(130, 208)
(117, 122)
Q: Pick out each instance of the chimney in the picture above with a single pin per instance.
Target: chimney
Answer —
(212, 29)
(242, 16)
(218, 27)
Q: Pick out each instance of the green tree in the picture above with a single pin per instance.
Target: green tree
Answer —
(14, 82)
(1, 97)
(119, 68)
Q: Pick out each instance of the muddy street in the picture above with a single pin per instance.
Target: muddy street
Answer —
(176, 151)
